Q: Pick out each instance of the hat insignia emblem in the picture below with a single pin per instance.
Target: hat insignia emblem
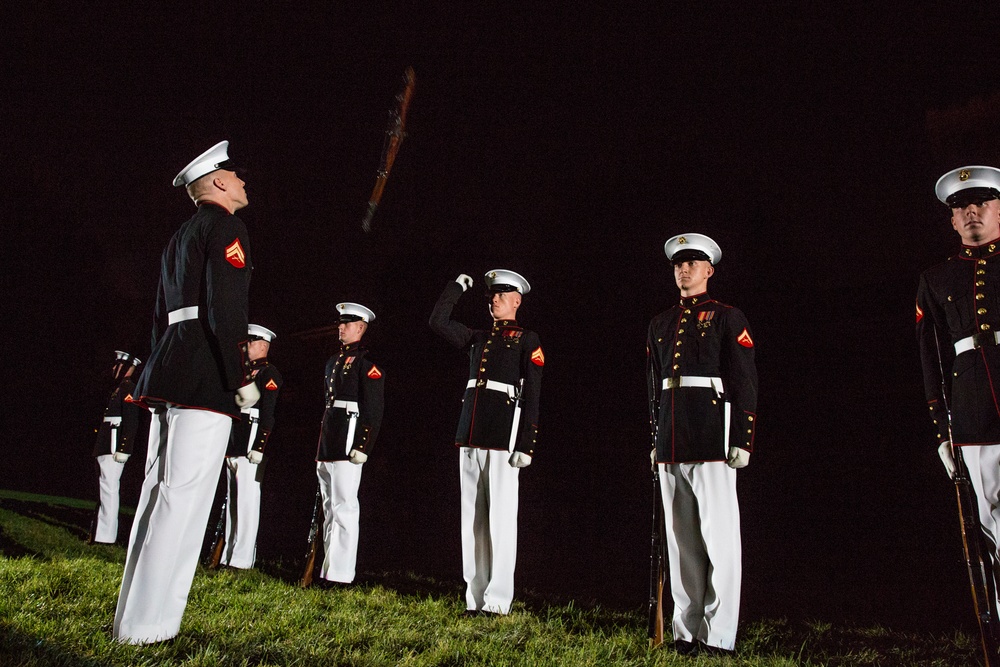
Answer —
(964, 175)
(682, 240)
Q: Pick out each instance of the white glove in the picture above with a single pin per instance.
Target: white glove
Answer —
(357, 457)
(465, 281)
(247, 395)
(254, 456)
(652, 456)
(944, 451)
(738, 458)
(121, 457)
(519, 460)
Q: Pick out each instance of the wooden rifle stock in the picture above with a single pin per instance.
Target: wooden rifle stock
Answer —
(657, 537)
(314, 533)
(656, 572)
(394, 136)
(215, 557)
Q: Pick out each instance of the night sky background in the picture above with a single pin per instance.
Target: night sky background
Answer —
(564, 143)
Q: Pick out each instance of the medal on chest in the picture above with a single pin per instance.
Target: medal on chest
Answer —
(512, 336)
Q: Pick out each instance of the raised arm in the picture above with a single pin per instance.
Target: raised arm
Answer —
(454, 332)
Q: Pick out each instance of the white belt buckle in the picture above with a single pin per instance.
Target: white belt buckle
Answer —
(969, 342)
(493, 385)
(705, 382)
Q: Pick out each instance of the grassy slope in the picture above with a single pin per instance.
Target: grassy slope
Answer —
(57, 598)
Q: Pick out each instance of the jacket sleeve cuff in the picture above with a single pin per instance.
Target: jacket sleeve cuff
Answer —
(748, 428)
(940, 419)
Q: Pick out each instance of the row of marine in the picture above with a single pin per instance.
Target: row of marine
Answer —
(211, 391)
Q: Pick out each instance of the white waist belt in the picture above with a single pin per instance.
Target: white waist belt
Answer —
(253, 414)
(114, 421)
(502, 387)
(182, 315)
(694, 381)
(350, 406)
(969, 343)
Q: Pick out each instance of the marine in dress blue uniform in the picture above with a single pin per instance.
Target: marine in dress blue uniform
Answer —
(702, 384)
(114, 446)
(497, 433)
(958, 318)
(195, 382)
(245, 456)
(355, 400)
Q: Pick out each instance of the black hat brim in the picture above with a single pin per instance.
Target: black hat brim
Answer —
(963, 198)
(688, 254)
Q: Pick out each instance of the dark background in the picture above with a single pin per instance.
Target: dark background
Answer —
(567, 144)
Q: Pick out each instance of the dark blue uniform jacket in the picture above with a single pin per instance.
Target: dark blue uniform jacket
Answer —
(200, 363)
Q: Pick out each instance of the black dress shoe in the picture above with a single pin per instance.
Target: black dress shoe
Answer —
(685, 648)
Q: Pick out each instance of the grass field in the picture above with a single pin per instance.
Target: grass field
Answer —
(57, 597)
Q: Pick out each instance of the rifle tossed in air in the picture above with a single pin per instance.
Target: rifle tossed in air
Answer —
(394, 136)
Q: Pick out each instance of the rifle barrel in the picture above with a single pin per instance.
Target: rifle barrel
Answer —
(313, 541)
(655, 624)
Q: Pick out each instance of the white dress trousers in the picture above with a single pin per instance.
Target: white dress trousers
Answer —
(489, 528)
(107, 516)
(983, 462)
(242, 512)
(339, 482)
(186, 449)
(702, 520)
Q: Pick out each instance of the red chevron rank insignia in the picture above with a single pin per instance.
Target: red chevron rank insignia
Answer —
(271, 385)
(129, 399)
(538, 357)
(235, 254)
(744, 339)
(920, 313)
(374, 373)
